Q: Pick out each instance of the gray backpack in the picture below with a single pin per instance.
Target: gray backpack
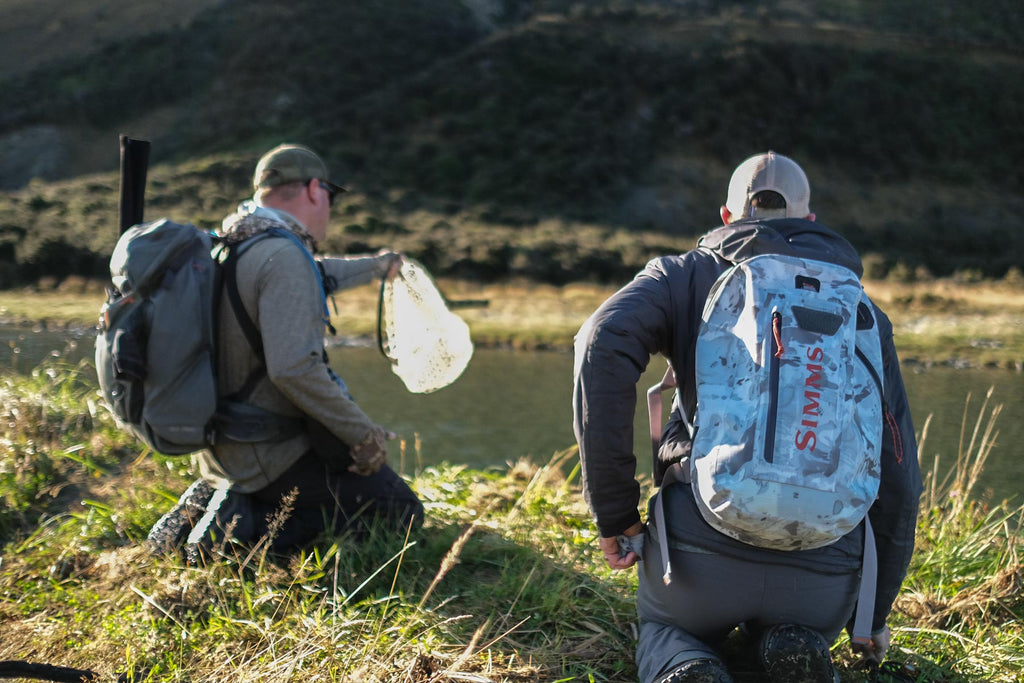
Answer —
(156, 341)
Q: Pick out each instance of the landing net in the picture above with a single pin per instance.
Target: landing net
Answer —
(428, 345)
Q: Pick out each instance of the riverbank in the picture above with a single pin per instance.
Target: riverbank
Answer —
(504, 583)
(948, 322)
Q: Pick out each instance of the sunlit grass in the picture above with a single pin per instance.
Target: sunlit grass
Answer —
(962, 605)
(504, 583)
(483, 593)
(941, 321)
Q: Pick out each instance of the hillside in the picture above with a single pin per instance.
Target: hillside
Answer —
(554, 141)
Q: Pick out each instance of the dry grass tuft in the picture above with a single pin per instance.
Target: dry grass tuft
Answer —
(989, 601)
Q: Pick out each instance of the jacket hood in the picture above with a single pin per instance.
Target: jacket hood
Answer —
(790, 236)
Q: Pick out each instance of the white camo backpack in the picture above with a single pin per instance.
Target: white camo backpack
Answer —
(789, 403)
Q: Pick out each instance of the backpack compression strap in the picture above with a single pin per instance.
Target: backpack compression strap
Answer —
(868, 586)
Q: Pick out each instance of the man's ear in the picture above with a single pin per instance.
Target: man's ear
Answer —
(726, 214)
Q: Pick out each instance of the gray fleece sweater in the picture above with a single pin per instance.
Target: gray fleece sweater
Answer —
(280, 291)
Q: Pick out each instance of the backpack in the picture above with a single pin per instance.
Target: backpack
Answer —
(156, 341)
(787, 441)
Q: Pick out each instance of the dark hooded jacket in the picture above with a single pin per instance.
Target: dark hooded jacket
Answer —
(660, 312)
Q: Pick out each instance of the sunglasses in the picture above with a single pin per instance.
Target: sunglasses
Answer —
(331, 192)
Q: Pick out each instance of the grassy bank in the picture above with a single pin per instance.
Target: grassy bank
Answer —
(504, 583)
(936, 320)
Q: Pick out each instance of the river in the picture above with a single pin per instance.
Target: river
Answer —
(512, 404)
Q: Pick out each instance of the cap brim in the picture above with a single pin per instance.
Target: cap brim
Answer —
(338, 189)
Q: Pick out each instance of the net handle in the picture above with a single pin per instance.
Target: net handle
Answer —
(381, 342)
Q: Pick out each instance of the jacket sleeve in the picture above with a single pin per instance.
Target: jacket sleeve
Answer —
(612, 350)
(291, 323)
(346, 272)
(894, 514)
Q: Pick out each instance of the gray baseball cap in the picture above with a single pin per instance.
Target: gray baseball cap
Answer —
(769, 171)
(290, 164)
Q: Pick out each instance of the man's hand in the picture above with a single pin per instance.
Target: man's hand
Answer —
(395, 264)
(370, 454)
(615, 555)
(874, 652)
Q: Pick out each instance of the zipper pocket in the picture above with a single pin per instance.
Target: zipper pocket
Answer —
(777, 349)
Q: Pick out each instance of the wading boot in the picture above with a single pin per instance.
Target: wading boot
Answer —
(171, 530)
(703, 670)
(794, 654)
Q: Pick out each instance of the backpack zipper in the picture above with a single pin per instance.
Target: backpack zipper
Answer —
(777, 349)
(887, 417)
(871, 370)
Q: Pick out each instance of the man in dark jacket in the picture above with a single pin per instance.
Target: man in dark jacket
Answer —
(793, 603)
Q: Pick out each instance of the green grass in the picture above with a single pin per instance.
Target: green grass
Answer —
(481, 589)
(962, 600)
(504, 583)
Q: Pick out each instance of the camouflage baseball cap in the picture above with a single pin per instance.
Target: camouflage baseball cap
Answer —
(289, 164)
(773, 172)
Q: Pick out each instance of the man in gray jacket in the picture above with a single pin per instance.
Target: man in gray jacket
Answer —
(272, 356)
(793, 603)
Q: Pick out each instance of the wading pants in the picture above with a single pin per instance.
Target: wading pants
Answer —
(711, 594)
(326, 499)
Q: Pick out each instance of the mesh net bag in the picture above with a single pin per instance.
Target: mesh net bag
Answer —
(428, 345)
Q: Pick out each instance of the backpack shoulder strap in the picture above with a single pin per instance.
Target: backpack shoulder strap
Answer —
(249, 329)
(318, 271)
(229, 280)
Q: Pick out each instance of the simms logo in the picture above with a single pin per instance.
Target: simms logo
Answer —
(812, 409)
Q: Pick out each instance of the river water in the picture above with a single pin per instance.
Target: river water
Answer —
(512, 404)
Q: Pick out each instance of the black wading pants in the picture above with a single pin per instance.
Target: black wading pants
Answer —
(325, 499)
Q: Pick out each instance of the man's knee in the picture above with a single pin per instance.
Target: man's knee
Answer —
(662, 649)
(392, 501)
